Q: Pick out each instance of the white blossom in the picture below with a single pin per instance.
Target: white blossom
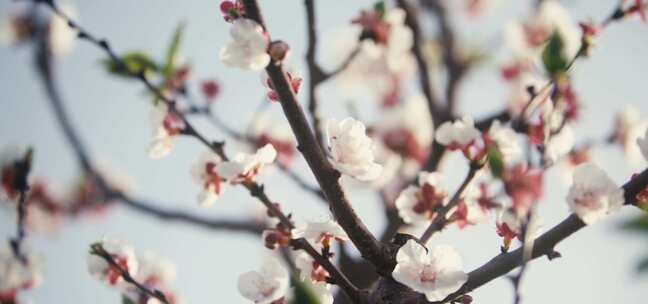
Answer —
(153, 267)
(122, 253)
(244, 167)
(418, 204)
(351, 150)
(457, 134)
(559, 145)
(505, 139)
(643, 145)
(321, 231)
(163, 130)
(527, 38)
(266, 286)
(61, 36)
(248, 48)
(435, 273)
(376, 64)
(16, 275)
(593, 194)
(204, 173)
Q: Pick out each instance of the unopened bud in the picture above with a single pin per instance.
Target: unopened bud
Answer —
(279, 51)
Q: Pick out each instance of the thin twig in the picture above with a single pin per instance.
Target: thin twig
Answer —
(98, 250)
(44, 67)
(21, 168)
(440, 221)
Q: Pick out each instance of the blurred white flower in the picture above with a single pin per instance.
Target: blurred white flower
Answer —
(266, 286)
(166, 125)
(643, 145)
(122, 253)
(61, 36)
(435, 273)
(559, 145)
(248, 48)
(527, 38)
(245, 167)
(204, 172)
(506, 141)
(351, 150)
(16, 275)
(418, 204)
(593, 195)
(457, 134)
(407, 129)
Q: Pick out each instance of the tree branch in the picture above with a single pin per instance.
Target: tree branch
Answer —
(327, 177)
(98, 250)
(543, 245)
(44, 65)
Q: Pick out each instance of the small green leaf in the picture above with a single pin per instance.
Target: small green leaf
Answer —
(127, 300)
(495, 161)
(303, 293)
(553, 55)
(172, 51)
(134, 62)
(380, 9)
(637, 224)
(643, 265)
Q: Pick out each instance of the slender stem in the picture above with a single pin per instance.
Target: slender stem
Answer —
(98, 250)
(440, 219)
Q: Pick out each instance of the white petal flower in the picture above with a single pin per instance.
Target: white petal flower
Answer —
(154, 268)
(435, 273)
(204, 172)
(266, 286)
(160, 145)
(244, 167)
(122, 253)
(15, 275)
(559, 145)
(61, 36)
(321, 231)
(506, 140)
(351, 150)
(248, 48)
(593, 194)
(418, 204)
(457, 134)
(643, 145)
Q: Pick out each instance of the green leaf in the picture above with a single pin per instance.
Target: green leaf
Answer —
(553, 55)
(638, 224)
(134, 62)
(495, 161)
(172, 51)
(643, 265)
(380, 9)
(126, 300)
(303, 293)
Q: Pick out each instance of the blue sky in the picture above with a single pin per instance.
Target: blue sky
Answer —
(113, 118)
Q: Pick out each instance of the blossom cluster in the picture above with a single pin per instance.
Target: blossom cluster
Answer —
(146, 268)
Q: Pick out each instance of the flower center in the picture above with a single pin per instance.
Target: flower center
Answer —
(428, 274)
